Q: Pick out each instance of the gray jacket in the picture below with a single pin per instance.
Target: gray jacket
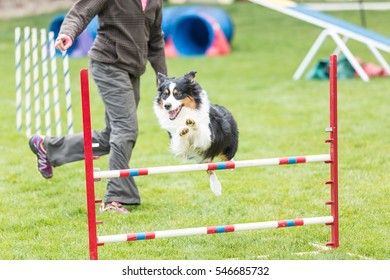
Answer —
(127, 35)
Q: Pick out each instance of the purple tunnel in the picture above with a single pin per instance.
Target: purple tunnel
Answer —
(83, 42)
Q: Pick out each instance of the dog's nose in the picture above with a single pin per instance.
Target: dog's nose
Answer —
(167, 106)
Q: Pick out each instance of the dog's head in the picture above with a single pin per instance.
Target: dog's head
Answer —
(174, 94)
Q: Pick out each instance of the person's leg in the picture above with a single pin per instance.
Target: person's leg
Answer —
(117, 92)
(55, 151)
(70, 148)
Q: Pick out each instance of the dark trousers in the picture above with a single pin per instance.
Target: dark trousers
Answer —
(120, 94)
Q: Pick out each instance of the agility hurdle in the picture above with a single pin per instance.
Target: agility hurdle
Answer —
(92, 176)
(32, 58)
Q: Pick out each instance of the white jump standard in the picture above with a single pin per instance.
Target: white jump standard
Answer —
(92, 176)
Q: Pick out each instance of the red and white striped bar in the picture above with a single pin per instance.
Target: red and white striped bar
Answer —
(210, 166)
(212, 229)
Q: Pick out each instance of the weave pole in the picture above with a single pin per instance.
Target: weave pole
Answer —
(36, 89)
(36, 49)
(45, 76)
(54, 77)
(27, 79)
(18, 77)
(91, 176)
(68, 95)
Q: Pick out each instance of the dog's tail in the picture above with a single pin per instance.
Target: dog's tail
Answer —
(215, 185)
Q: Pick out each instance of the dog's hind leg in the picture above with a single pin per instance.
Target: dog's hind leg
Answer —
(215, 185)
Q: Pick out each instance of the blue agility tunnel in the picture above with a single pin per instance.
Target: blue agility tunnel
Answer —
(83, 42)
(189, 31)
(197, 30)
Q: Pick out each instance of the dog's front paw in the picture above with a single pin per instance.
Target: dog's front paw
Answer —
(184, 131)
(190, 122)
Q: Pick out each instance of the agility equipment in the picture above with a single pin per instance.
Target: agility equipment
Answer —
(92, 176)
(208, 166)
(83, 42)
(197, 30)
(212, 229)
(35, 65)
(337, 29)
(188, 30)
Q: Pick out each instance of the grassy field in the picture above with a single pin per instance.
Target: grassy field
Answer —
(47, 219)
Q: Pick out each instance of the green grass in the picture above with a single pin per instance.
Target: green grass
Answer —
(47, 219)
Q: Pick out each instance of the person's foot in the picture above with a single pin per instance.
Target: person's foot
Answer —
(113, 207)
(44, 166)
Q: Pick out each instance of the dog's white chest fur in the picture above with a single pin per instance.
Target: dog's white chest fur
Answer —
(190, 130)
(198, 130)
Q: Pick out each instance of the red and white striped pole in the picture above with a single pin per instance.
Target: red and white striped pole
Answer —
(212, 229)
(210, 166)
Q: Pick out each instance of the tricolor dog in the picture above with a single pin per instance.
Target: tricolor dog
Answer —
(198, 130)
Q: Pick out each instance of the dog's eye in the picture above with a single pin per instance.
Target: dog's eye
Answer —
(176, 92)
(166, 92)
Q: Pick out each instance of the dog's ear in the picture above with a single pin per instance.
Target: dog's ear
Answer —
(160, 78)
(190, 76)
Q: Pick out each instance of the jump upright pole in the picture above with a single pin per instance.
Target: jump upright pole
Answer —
(333, 141)
(91, 176)
(88, 155)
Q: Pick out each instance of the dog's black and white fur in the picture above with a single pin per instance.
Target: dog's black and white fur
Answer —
(197, 129)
